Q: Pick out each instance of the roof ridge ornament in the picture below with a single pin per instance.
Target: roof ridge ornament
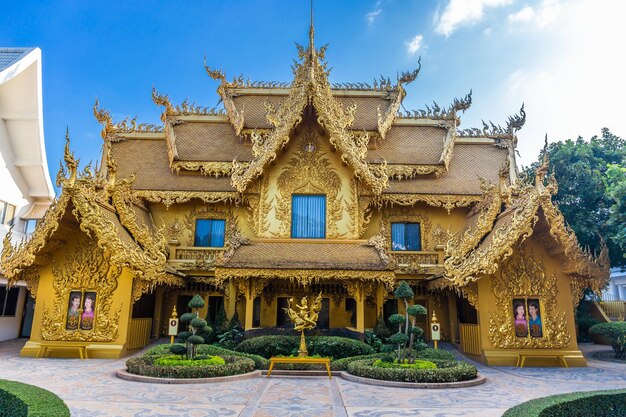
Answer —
(385, 120)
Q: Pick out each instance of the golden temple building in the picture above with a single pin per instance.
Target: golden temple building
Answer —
(306, 187)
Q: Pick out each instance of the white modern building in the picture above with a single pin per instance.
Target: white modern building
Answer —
(616, 290)
(25, 187)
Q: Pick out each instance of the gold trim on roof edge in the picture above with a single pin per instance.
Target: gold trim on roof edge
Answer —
(446, 201)
(176, 197)
(385, 120)
(209, 168)
(235, 116)
(110, 129)
(311, 86)
(304, 276)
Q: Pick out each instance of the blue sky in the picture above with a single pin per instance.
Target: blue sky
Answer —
(560, 57)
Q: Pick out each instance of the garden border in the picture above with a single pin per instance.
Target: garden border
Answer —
(123, 374)
(427, 385)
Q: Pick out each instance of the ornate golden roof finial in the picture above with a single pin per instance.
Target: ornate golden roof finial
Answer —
(311, 47)
(110, 163)
(104, 118)
(70, 162)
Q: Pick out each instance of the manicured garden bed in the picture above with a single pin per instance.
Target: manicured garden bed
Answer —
(445, 371)
(611, 403)
(23, 400)
(155, 366)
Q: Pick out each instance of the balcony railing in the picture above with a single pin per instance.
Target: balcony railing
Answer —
(194, 257)
(416, 262)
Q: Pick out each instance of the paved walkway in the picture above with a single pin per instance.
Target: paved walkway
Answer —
(90, 389)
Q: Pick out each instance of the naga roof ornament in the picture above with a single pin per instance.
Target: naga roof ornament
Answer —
(309, 86)
(110, 129)
(385, 120)
(475, 253)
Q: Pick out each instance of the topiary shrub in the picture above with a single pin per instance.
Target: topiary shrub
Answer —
(196, 328)
(326, 346)
(616, 333)
(404, 339)
(146, 366)
(610, 403)
(446, 371)
(23, 400)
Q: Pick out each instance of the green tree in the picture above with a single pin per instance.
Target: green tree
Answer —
(195, 326)
(616, 188)
(584, 195)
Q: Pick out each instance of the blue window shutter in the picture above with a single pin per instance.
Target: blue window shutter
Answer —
(308, 216)
(203, 231)
(217, 233)
(406, 236)
(397, 236)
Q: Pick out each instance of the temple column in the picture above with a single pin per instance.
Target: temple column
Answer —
(380, 299)
(452, 318)
(249, 312)
(231, 299)
(156, 314)
(360, 314)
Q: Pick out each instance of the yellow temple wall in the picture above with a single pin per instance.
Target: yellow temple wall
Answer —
(558, 341)
(51, 304)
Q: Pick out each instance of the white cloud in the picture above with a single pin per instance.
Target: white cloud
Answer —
(460, 12)
(538, 18)
(414, 44)
(524, 15)
(573, 84)
(371, 16)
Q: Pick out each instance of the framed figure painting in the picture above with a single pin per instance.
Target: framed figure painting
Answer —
(88, 315)
(534, 318)
(73, 311)
(520, 317)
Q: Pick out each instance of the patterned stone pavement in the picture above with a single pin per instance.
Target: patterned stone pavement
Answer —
(90, 389)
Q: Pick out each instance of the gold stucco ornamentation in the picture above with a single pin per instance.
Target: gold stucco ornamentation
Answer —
(304, 276)
(360, 290)
(524, 276)
(209, 168)
(309, 172)
(441, 236)
(380, 241)
(311, 86)
(385, 120)
(87, 269)
(446, 201)
(111, 130)
(235, 116)
(184, 109)
(168, 198)
(403, 172)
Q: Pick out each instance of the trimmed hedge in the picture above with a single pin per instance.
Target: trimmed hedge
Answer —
(611, 403)
(431, 353)
(326, 346)
(23, 400)
(418, 364)
(145, 365)
(164, 350)
(616, 333)
(341, 364)
(200, 360)
(446, 371)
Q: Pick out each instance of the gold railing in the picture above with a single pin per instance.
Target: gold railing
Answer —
(194, 257)
(614, 309)
(470, 338)
(408, 261)
(138, 333)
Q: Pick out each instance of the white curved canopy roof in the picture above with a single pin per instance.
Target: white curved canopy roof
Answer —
(21, 122)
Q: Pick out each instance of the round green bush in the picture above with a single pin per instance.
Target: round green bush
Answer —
(178, 349)
(616, 333)
(418, 364)
(177, 361)
(187, 317)
(325, 346)
(398, 339)
(446, 371)
(610, 403)
(164, 349)
(23, 400)
(198, 323)
(182, 336)
(146, 366)
(195, 340)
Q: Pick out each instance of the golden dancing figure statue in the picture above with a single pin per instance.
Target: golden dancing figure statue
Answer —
(304, 317)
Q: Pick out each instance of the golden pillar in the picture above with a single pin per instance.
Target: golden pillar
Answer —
(380, 299)
(231, 298)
